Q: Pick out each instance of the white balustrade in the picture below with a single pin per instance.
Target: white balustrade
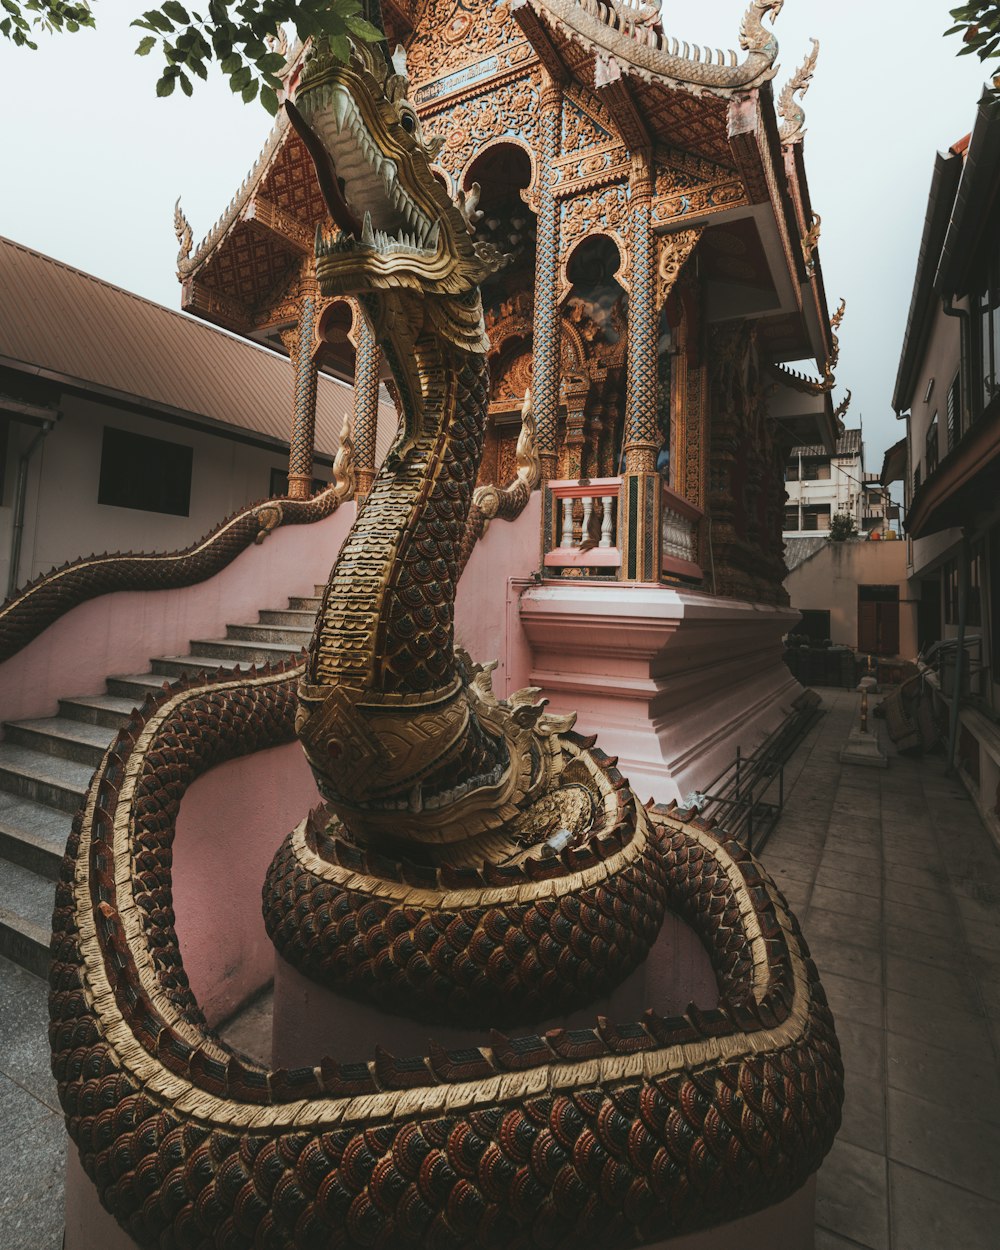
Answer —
(680, 535)
(585, 514)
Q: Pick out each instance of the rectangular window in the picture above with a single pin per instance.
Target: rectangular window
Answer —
(988, 346)
(791, 518)
(816, 517)
(815, 470)
(974, 609)
(949, 584)
(931, 446)
(148, 474)
(792, 472)
(955, 411)
(5, 425)
(815, 625)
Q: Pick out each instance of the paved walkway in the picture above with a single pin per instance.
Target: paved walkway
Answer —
(897, 886)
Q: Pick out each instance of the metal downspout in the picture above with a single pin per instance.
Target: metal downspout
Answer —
(964, 315)
(956, 696)
(20, 500)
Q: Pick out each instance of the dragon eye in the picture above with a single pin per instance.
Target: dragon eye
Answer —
(409, 123)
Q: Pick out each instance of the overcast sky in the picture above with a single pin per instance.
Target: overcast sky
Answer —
(92, 161)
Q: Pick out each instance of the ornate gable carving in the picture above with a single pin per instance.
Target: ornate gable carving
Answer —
(459, 42)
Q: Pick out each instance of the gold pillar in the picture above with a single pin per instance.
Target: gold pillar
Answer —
(639, 507)
(305, 374)
(545, 345)
(365, 407)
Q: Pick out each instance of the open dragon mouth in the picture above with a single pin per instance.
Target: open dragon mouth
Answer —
(354, 171)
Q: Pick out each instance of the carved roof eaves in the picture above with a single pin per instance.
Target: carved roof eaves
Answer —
(611, 31)
(189, 266)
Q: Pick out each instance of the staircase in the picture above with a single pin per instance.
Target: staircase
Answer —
(46, 766)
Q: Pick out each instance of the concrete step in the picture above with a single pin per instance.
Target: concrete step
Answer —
(304, 603)
(319, 589)
(220, 653)
(33, 835)
(289, 617)
(43, 778)
(135, 686)
(61, 737)
(285, 635)
(26, 904)
(98, 709)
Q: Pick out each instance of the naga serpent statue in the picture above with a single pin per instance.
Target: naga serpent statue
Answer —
(476, 863)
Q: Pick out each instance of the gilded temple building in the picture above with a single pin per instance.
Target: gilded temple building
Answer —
(662, 276)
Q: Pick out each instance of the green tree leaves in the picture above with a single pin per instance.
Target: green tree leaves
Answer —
(49, 15)
(979, 26)
(237, 34)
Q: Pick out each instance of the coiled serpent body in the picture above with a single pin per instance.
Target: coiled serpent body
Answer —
(610, 1136)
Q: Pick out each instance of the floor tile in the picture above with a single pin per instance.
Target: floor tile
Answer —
(24, 1022)
(940, 1024)
(842, 878)
(851, 999)
(825, 1240)
(846, 902)
(862, 1048)
(922, 947)
(852, 1195)
(910, 874)
(909, 976)
(19, 1111)
(971, 1087)
(936, 899)
(928, 1212)
(921, 919)
(864, 1113)
(850, 929)
(938, 1140)
(32, 1171)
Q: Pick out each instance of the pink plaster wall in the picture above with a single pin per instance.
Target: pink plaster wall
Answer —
(487, 617)
(120, 632)
(311, 1022)
(231, 822)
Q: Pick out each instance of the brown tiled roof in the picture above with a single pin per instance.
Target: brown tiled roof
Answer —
(62, 323)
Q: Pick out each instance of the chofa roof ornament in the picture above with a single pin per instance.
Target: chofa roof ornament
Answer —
(789, 109)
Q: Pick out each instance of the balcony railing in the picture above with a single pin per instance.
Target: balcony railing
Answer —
(681, 536)
(583, 540)
(586, 526)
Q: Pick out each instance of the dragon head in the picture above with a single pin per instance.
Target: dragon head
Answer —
(399, 229)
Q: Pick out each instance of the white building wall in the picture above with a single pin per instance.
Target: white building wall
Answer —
(841, 492)
(63, 519)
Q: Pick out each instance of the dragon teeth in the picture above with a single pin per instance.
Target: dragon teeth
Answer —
(367, 237)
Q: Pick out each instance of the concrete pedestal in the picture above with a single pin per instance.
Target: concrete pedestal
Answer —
(672, 681)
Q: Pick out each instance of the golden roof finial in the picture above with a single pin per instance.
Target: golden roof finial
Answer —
(811, 242)
(185, 237)
(790, 109)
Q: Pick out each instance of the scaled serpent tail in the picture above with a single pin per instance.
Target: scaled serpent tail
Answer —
(608, 1136)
